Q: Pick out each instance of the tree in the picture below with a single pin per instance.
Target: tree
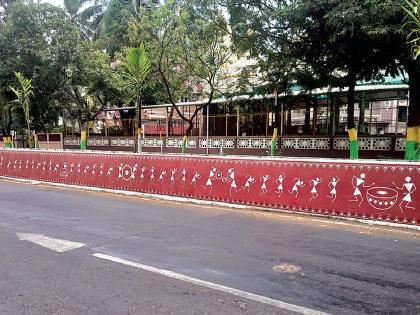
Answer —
(138, 66)
(335, 40)
(113, 28)
(23, 93)
(89, 86)
(187, 46)
(86, 18)
(39, 41)
(412, 10)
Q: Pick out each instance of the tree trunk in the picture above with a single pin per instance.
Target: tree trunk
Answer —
(307, 125)
(170, 124)
(337, 115)
(350, 100)
(137, 145)
(315, 118)
(413, 71)
(362, 106)
(190, 127)
(331, 125)
(9, 121)
(276, 110)
(289, 119)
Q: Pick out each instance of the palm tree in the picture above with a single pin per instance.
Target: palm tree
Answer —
(85, 14)
(412, 11)
(137, 66)
(23, 93)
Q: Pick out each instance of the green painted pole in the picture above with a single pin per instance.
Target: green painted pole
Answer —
(9, 142)
(184, 145)
(412, 144)
(83, 140)
(354, 145)
(273, 143)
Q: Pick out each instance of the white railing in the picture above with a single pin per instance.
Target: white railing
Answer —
(385, 143)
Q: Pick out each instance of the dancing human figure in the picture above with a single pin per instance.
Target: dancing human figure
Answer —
(279, 181)
(194, 179)
(314, 190)
(94, 168)
(264, 180)
(359, 182)
(295, 189)
(152, 174)
(209, 183)
(231, 179)
(333, 186)
(133, 172)
(101, 169)
(409, 188)
(172, 179)
(142, 170)
(184, 176)
(249, 181)
(162, 174)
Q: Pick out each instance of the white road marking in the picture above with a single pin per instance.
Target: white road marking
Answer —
(55, 244)
(214, 286)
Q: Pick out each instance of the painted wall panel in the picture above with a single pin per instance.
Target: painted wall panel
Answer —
(361, 189)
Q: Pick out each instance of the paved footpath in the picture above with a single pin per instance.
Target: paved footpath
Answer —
(65, 251)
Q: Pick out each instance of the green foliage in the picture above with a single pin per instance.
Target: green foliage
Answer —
(138, 66)
(188, 46)
(38, 41)
(69, 77)
(113, 28)
(89, 86)
(85, 14)
(23, 93)
(321, 42)
(412, 9)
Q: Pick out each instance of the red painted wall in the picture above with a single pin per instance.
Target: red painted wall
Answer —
(371, 190)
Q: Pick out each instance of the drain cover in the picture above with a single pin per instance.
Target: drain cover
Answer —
(287, 268)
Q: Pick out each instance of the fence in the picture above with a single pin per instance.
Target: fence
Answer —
(46, 141)
(370, 147)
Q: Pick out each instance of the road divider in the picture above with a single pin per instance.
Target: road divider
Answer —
(383, 191)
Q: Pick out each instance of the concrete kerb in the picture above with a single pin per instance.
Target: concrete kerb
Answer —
(212, 203)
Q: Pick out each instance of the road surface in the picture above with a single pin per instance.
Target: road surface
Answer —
(67, 251)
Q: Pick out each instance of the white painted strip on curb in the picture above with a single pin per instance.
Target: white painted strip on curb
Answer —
(214, 286)
(54, 244)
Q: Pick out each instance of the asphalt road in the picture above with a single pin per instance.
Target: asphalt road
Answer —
(322, 265)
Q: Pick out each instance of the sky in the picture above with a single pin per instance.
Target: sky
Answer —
(58, 3)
